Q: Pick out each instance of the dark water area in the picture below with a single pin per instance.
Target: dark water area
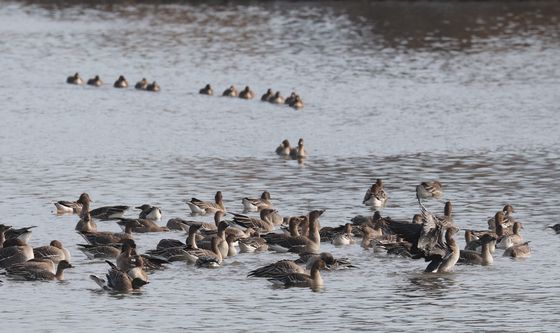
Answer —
(463, 92)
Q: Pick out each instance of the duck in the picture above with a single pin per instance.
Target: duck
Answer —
(204, 207)
(432, 189)
(506, 241)
(267, 95)
(154, 86)
(109, 212)
(247, 93)
(312, 280)
(284, 148)
(344, 238)
(14, 251)
(38, 273)
(276, 98)
(118, 280)
(109, 251)
(149, 212)
(142, 84)
(207, 90)
(297, 103)
(72, 207)
(518, 251)
(121, 82)
(290, 99)
(483, 258)
(280, 267)
(75, 79)
(55, 251)
(95, 81)
(299, 151)
(142, 225)
(257, 204)
(105, 237)
(230, 92)
(375, 196)
(298, 244)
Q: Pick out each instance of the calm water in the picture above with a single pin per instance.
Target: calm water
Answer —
(462, 92)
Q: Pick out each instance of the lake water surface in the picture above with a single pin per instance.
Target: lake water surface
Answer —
(467, 93)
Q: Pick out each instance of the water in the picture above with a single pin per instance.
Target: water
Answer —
(466, 93)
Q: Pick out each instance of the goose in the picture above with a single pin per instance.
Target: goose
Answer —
(518, 251)
(75, 79)
(375, 196)
(142, 225)
(138, 272)
(298, 152)
(300, 244)
(230, 92)
(297, 103)
(105, 237)
(278, 268)
(312, 280)
(483, 258)
(149, 212)
(473, 243)
(34, 264)
(222, 242)
(507, 241)
(207, 90)
(96, 81)
(205, 207)
(118, 280)
(75, 207)
(23, 234)
(272, 216)
(257, 204)
(142, 84)
(55, 251)
(507, 220)
(121, 82)
(259, 225)
(253, 244)
(14, 251)
(331, 262)
(267, 95)
(284, 148)
(432, 189)
(290, 99)
(154, 86)
(214, 255)
(86, 223)
(109, 251)
(232, 250)
(344, 238)
(173, 243)
(38, 273)
(247, 93)
(109, 212)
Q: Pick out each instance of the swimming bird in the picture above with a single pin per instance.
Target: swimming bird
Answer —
(34, 264)
(266, 96)
(75, 79)
(64, 207)
(207, 90)
(138, 272)
(507, 220)
(506, 241)
(331, 263)
(276, 98)
(297, 103)
(555, 227)
(259, 225)
(483, 258)
(473, 243)
(345, 237)
(284, 148)
(252, 244)
(109, 251)
(96, 81)
(300, 244)
(55, 251)
(223, 245)
(121, 82)
(38, 273)
(247, 93)
(312, 280)
(105, 237)
(149, 212)
(230, 92)
(518, 251)
(23, 234)
(281, 267)
(14, 251)
(204, 207)
(118, 280)
(109, 212)
(375, 196)
(154, 86)
(290, 99)
(203, 256)
(257, 204)
(298, 152)
(142, 84)
(142, 225)
(427, 190)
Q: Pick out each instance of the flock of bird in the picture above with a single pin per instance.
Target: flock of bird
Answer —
(294, 100)
(208, 245)
(121, 82)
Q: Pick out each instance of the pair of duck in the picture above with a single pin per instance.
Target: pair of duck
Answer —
(294, 100)
(295, 153)
(121, 82)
